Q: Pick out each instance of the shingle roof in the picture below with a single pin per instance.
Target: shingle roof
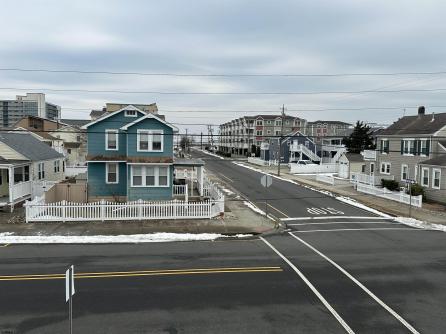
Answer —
(329, 122)
(418, 124)
(437, 161)
(75, 122)
(97, 113)
(10, 161)
(354, 157)
(29, 146)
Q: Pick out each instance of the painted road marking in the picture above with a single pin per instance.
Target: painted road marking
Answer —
(324, 211)
(143, 273)
(284, 214)
(371, 294)
(362, 229)
(335, 217)
(331, 223)
(311, 286)
(230, 180)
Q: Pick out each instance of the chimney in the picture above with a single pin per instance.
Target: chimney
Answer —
(433, 117)
(421, 110)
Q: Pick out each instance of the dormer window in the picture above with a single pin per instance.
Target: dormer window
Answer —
(131, 113)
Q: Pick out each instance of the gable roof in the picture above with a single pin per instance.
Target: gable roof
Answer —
(354, 157)
(328, 122)
(437, 161)
(417, 124)
(107, 115)
(29, 146)
(75, 122)
(125, 127)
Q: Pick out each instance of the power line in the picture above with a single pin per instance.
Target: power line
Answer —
(224, 75)
(78, 90)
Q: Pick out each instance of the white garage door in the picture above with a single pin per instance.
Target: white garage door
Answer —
(343, 170)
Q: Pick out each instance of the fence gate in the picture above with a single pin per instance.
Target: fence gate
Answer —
(70, 192)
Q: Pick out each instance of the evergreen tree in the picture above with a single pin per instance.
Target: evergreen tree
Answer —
(360, 139)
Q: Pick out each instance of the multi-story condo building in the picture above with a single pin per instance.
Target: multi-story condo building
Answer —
(31, 104)
(243, 135)
(333, 131)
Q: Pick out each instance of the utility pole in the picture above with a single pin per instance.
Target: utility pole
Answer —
(280, 140)
(186, 144)
(201, 140)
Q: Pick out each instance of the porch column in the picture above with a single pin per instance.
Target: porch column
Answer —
(200, 176)
(11, 186)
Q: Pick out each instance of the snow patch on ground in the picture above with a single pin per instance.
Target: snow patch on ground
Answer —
(352, 202)
(209, 153)
(253, 207)
(226, 191)
(420, 224)
(10, 238)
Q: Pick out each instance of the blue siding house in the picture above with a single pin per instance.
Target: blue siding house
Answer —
(130, 156)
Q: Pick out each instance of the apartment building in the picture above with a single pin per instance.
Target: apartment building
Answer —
(31, 104)
(245, 135)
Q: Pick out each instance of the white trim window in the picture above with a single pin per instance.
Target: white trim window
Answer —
(408, 147)
(425, 177)
(111, 140)
(150, 140)
(423, 147)
(131, 113)
(41, 170)
(404, 172)
(149, 176)
(259, 122)
(436, 178)
(385, 168)
(385, 146)
(259, 133)
(111, 173)
(278, 122)
(56, 166)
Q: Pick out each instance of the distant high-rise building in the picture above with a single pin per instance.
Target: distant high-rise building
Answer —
(31, 104)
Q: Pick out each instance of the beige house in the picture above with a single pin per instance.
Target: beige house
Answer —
(404, 148)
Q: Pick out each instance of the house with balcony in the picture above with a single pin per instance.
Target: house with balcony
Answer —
(24, 162)
(130, 156)
(411, 149)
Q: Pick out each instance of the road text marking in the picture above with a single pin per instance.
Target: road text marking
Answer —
(331, 223)
(311, 286)
(371, 294)
(142, 273)
(335, 217)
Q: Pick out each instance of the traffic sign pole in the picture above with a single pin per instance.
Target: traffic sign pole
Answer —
(69, 292)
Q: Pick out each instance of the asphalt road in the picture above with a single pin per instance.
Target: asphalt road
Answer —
(339, 271)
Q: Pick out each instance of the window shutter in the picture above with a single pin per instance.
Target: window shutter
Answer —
(402, 147)
(381, 146)
(417, 147)
(428, 144)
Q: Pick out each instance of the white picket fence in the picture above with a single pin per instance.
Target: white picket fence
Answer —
(369, 179)
(401, 197)
(38, 211)
(313, 168)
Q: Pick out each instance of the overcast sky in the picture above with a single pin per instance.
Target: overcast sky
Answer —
(228, 37)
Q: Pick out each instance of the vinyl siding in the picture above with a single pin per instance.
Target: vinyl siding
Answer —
(96, 135)
(437, 195)
(150, 124)
(8, 153)
(150, 193)
(97, 186)
(50, 174)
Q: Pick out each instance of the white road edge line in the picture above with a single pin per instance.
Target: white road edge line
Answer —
(371, 294)
(362, 229)
(332, 223)
(335, 217)
(311, 286)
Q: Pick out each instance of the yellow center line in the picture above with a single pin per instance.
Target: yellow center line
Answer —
(142, 273)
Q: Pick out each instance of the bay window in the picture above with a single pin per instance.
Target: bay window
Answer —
(150, 140)
(149, 176)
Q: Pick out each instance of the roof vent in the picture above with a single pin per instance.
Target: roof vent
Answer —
(421, 110)
(433, 117)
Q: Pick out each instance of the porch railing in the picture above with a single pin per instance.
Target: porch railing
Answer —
(20, 190)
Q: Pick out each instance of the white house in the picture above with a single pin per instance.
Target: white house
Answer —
(24, 161)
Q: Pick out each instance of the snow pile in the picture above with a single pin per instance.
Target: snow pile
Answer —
(226, 191)
(209, 153)
(352, 202)
(9, 238)
(253, 207)
(420, 224)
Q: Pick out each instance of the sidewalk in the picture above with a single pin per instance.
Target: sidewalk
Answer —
(238, 219)
(430, 212)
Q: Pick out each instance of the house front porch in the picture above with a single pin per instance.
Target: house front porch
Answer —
(15, 184)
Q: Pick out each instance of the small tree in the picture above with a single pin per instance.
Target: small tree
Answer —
(360, 139)
(185, 143)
